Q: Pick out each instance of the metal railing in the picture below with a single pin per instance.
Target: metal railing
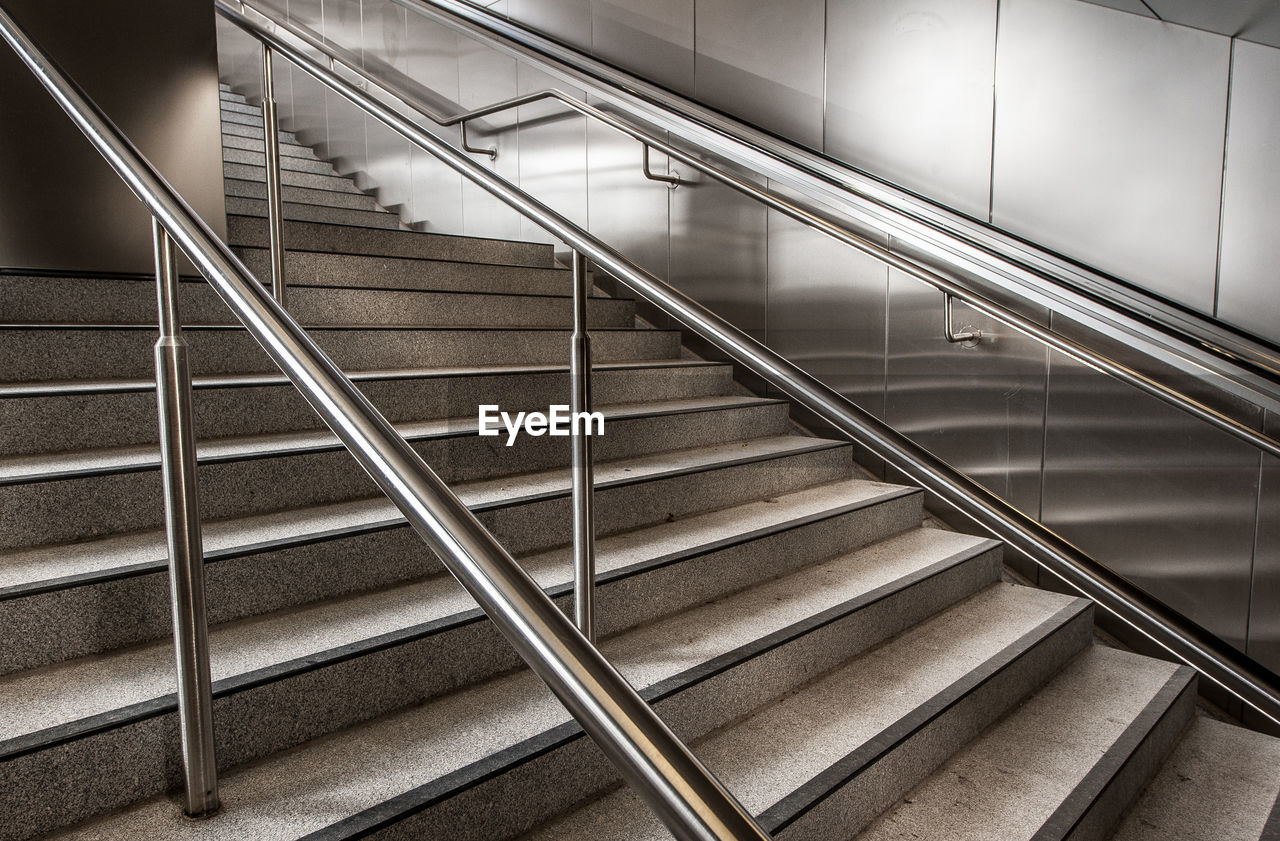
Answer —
(951, 289)
(688, 799)
(1185, 640)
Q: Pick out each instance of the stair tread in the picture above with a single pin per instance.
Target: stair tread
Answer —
(1219, 784)
(785, 747)
(332, 778)
(10, 390)
(41, 566)
(17, 469)
(1010, 781)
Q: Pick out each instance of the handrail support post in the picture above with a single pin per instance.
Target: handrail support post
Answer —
(271, 150)
(182, 529)
(672, 181)
(584, 529)
(968, 337)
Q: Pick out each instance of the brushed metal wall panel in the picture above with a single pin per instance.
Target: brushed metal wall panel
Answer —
(390, 173)
(763, 63)
(553, 153)
(309, 13)
(826, 308)
(1162, 499)
(565, 20)
(433, 62)
(625, 209)
(1264, 610)
(1109, 140)
(719, 254)
(910, 94)
(485, 77)
(652, 38)
(980, 409)
(1251, 195)
(342, 23)
(152, 65)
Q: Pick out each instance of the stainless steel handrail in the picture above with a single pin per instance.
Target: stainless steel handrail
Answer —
(688, 799)
(912, 268)
(1182, 638)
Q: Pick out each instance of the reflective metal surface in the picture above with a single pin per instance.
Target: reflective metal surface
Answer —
(568, 20)
(1112, 154)
(625, 210)
(183, 538)
(271, 157)
(1255, 20)
(152, 65)
(763, 62)
(980, 409)
(826, 308)
(909, 94)
(720, 255)
(652, 37)
(1264, 612)
(1251, 195)
(584, 523)
(553, 153)
(1169, 503)
(486, 77)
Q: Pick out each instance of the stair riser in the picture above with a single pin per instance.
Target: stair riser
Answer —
(257, 175)
(287, 150)
(67, 510)
(40, 355)
(544, 786)
(848, 809)
(255, 132)
(1102, 814)
(88, 301)
(235, 186)
(336, 239)
(256, 158)
(69, 422)
(100, 617)
(319, 269)
(115, 767)
(316, 213)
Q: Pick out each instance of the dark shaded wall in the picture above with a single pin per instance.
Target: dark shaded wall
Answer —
(152, 66)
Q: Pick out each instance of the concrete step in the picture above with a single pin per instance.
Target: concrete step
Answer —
(336, 238)
(504, 740)
(296, 163)
(255, 145)
(101, 599)
(1064, 765)
(316, 268)
(47, 353)
(296, 211)
(86, 415)
(826, 759)
(87, 495)
(311, 548)
(254, 132)
(293, 178)
(1219, 784)
(86, 300)
(348, 199)
(239, 105)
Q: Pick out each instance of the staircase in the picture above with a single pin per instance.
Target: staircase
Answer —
(846, 670)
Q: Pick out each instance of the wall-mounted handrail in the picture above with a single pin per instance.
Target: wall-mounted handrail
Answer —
(912, 268)
(1184, 639)
(689, 800)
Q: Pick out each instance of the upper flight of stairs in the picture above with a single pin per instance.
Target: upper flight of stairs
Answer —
(847, 671)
